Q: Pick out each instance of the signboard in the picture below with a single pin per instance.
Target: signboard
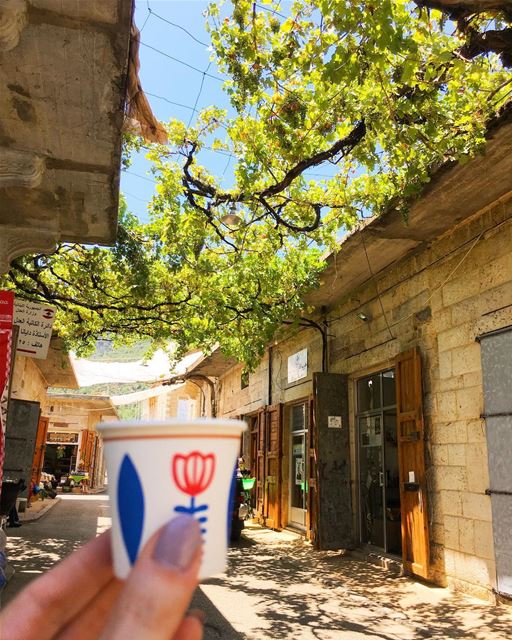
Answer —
(334, 422)
(6, 316)
(58, 437)
(35, 322)
(298, 365)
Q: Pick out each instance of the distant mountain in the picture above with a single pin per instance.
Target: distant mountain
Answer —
(106, 352)
(104, 389)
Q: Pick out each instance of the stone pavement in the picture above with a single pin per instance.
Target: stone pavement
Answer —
(277, 587)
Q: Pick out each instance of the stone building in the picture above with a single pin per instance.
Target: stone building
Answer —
(72, 442)
(386, 425)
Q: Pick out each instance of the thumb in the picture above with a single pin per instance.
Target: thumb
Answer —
(158, 591)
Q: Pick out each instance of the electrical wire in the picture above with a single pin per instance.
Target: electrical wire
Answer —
(178, 26)
(376, 285)
(205, 72)
(186, 64)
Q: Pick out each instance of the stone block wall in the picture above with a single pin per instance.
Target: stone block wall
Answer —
(441, 298)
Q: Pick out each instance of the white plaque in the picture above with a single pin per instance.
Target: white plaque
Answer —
(298, 365)
(334, 422)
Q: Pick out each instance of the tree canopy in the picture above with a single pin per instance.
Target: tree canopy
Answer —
(373, 96)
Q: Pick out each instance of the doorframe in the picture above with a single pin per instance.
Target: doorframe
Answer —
(380, 412)
(353, 377)
(287, 437)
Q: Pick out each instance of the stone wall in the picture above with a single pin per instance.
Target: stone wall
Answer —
(165, 405)
(27, 381)
(439, 298)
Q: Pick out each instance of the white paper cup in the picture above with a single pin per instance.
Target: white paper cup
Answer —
(158, 470)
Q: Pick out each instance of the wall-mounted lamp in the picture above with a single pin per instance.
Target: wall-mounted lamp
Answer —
(363, 316)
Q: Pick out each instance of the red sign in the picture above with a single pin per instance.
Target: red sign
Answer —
(6, 317)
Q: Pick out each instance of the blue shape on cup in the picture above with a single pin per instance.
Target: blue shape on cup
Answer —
(130, 503)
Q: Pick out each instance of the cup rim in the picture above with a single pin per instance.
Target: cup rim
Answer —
(173, 427)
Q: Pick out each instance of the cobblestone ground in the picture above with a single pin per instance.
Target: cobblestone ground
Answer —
(277, 587)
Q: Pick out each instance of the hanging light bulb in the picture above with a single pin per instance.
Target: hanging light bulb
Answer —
(232, 219)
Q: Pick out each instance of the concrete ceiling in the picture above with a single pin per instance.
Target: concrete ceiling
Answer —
(213, 365)
(454, 194)
(62, 93)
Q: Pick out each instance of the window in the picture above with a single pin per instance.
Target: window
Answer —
(244, 379)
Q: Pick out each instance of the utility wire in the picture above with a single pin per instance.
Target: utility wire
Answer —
(272, 11)
(205, 72)
(376, 285)
(186, 64)
(177, 104)
(178, 26)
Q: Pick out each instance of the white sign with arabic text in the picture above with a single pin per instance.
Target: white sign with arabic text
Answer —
(35, 322)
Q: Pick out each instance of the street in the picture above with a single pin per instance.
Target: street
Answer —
(277, 586)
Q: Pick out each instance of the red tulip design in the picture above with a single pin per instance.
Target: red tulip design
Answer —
(193, 474)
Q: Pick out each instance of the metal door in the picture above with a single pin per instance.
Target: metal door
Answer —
(497, 381)
(20, 440)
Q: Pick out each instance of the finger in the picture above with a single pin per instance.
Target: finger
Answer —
(90, 621)
(51, 601)
(160, 586)
(191, 628)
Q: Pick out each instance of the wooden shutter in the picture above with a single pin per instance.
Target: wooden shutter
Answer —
(311, 471)
(86, 450)
(37, 463)
(411, 460)
(273, 455)
(259, 468)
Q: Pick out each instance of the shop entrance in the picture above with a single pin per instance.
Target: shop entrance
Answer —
(60, 459)
(298, 471)
(379, 483)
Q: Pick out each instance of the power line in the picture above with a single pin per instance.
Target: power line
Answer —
(272, 11)
(198, 95)
(178, 26)
(132, 173)
(132, 195)
(177, 104)
(186, 64)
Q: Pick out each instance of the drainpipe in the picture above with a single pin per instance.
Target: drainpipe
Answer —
(269, 393)
(322, 328)
(203, 378)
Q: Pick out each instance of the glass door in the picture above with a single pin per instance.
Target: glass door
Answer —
(379, 488)
(298, 429)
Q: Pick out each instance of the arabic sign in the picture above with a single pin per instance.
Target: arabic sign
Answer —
(298, 365)
(6, 314)
(35, 323)
(59, 437)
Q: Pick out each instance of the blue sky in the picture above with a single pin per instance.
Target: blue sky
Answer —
(176, 29)
(172, 80)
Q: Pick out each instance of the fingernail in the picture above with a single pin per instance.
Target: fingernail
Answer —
(178, 543)
(197, 613)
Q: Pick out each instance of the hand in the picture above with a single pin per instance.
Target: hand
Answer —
(81, 598)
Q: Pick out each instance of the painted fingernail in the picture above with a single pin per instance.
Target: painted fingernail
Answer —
(178, 543)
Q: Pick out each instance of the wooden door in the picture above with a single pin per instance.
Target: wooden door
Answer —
(311, 474)
(273, 456)
(37, 463)
(86, 450)
(411, 460)
(259, 465)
